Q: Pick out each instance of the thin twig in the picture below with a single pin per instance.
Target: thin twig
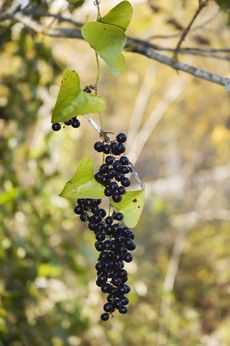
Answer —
(133, 45)
(202, 5)
(197, 27)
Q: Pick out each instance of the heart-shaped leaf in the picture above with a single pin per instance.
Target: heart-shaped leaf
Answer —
(73, 101)
(119, 16)
(108, 41)
(131, 206)
(83, 184)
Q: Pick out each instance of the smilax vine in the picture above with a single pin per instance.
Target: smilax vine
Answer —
(101, 198)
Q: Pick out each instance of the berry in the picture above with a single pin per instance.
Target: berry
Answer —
(99, 146)
(56, 126)
(116, 197)
(124, 160)
(75, 123)
(68, 122)
(105, 316)
(83, 217)
(120, 148)
(109, 160)
(118, 216)
(106, 149)
(125, 182)
(128, 257)
(123, 310)
(121, 190)
(78, 210)
(121, 138)
(108, 307)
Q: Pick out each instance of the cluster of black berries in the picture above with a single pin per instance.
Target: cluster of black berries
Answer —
(74, 122)
(112, 172)
(113, 241)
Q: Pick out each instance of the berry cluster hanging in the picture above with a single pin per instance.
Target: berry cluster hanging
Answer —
(101, 198)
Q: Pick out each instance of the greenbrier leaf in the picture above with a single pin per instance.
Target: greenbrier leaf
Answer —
(73, 101)
(83, 184)
(119, 16)
(108, 41)
(131, 206)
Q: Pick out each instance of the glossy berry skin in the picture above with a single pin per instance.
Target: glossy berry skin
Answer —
(121, 138)
(109, 160)
(108, 307)
(123, 310)
(56, 126)
(105, 316)
(125, 182)
(68, 122)
(128, 257)
(75, 123)
(124, 160)
(106, 149)
(116, 197)
(99, 146)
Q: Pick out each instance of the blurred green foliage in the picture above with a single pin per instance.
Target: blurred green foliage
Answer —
(48, 294)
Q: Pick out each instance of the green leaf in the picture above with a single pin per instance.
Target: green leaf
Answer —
(108, 41)
(119, 16)
(131, 206)
(73, 101)
(83, 183)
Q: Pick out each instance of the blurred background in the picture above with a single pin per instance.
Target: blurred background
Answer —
(179, 140)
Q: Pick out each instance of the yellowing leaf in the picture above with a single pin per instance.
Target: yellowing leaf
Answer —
(131, 206)
(83, 184)
(73, 101)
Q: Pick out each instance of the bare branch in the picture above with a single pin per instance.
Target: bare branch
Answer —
(202, 5)
(133, 45)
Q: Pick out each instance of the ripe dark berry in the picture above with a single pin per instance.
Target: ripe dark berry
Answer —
(78, 210)
(68, 122)
(108, 192)
(128, 257)
(105, 316)
(56, 126)
(99, 146)
(106, 149)
(120, 148)
(121, 138)
(125, 182)
(109, 220)
(118, 216)
(109, 160)
(123, 310)
(124, 300)
(130, 245)
(75, 123)
(116, 197)
(121, 190)
(99, 246)
(108, 307)
(100, 236)
(84, 217)
(124, 160)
